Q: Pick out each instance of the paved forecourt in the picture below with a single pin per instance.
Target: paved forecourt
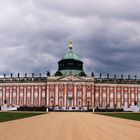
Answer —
(70, 126)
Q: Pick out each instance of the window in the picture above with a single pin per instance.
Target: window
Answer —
(104, 102)
(21, 101)
(132, 88)
(35, 101)
(21, 97)
(61, 93)
(52, 94)
(97, 95)
(79, 103)
(43, 100)
(0, 97)
(35, 94)
(0, 93)
(1, 101)
(21, 94)
(14, 101)
(104, 95)
(28, 100)
(51, 102)
(111, 95)
(24, 97)
(118, 95)
(28, 94)
(61, 103)
(43, 94)
(7, 94)
(70, 93)
(111, 104)
(139, 96)
(118, 104)
(79, 93)
(126, 104)
(97, 103)
(125, 95)
(88, 94)
(132, 95)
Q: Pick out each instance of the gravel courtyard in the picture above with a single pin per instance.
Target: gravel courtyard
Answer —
(70, 126)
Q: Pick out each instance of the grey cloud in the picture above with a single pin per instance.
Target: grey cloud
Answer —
(34, 35)
(109, 8)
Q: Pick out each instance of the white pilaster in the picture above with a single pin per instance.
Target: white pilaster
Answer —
(75, 95)
(47, 95)
(56, 94)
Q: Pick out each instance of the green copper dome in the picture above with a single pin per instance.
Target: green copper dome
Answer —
(71, 55)
(70, 64)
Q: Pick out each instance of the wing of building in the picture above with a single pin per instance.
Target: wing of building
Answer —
(70, 86)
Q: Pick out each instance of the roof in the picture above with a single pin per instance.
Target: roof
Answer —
(71, 55)
(70, 64)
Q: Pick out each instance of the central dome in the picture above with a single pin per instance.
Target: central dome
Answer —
(70, 64)
(71, 55)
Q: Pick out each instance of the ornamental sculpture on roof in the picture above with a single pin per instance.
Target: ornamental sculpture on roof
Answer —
(70, 45)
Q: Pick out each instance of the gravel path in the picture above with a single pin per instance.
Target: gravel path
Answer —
(70, 126)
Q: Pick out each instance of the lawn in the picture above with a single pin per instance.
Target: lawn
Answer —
(8, 116)
(125, 115)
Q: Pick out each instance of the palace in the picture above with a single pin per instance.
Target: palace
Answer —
(70, 87)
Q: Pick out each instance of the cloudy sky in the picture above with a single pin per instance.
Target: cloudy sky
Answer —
(34, 35)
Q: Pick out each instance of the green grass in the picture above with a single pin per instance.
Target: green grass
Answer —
(8, 116)
(131, 116)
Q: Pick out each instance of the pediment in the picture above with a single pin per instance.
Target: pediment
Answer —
(71, 78)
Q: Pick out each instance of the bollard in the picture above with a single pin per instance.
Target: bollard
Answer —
(47, 110)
